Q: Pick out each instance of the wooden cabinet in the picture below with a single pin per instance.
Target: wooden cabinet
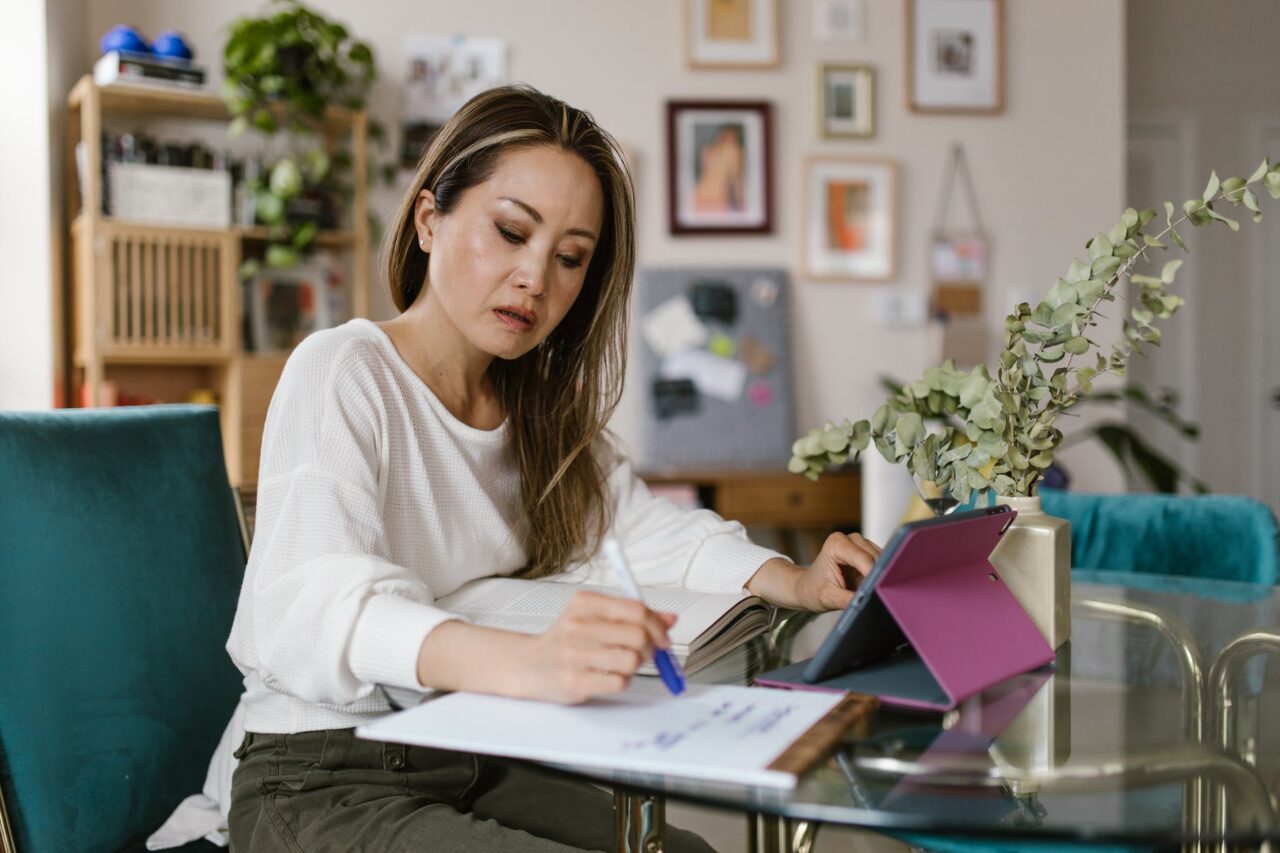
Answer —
(796, 507)
(160, 309)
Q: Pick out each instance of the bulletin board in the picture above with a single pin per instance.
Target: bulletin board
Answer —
(716, 367)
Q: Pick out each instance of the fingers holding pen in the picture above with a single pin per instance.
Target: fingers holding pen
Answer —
(597, 644)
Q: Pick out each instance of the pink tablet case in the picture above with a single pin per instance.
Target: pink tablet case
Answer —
(955, 610)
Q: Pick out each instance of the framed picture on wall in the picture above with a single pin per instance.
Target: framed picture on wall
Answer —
(850, 210)
(731, 33)
(955, 56)
(846, 101)
(719, 176)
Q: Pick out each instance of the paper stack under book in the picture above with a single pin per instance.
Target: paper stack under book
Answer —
(708, 625)
(711, 732)
(117, 67)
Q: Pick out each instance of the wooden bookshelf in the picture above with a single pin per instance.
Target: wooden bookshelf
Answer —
(161, 307)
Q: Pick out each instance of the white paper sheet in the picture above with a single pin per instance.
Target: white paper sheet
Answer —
(719, 732)
(672, 327)
(713, 375)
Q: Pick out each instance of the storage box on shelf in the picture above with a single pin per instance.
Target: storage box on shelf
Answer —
(158, 310)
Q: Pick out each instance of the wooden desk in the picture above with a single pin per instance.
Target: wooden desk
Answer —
(777, 499)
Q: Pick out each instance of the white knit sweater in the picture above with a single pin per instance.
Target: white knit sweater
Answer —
(374, 501)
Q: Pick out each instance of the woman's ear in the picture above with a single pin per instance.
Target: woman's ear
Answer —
(425, 217)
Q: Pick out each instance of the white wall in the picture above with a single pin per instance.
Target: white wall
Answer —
(1228, 85)
(1049, 171)
(26, 226)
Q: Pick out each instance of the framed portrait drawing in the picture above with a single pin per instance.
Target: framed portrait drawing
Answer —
(846, 101)
(731, 33)
(955, 56)
(719, 174)
(850, 209)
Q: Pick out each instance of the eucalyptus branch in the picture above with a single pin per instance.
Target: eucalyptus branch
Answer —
(1008, 437)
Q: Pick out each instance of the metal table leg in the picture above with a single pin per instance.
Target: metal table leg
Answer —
(773, 834)
(639, 822)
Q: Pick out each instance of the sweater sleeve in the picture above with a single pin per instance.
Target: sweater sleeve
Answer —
(670, 546)
(326, 614)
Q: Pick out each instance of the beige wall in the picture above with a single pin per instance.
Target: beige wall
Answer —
(1228, 87)
(1049, 171)
(43, 56)
(26, 312)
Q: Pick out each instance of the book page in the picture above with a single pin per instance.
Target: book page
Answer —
(714, 732)
(531, 606)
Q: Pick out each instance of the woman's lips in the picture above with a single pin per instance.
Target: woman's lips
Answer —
(514, 318)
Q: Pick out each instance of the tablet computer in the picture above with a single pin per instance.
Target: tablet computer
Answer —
(932, 624)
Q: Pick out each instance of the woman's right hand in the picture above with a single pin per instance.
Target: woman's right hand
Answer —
(593, 648)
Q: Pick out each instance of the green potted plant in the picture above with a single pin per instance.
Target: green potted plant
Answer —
(1008, 417)
(283, 69)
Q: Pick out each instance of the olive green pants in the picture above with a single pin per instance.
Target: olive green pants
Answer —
(330, 791)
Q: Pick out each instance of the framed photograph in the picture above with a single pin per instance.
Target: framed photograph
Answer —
(850, 209)
(959, 258)
(955, 56)
(846, 101)
(731, 33)
(718, 167)
(286, 305)
(442, 75)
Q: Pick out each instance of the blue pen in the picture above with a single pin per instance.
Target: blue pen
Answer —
(667, 666)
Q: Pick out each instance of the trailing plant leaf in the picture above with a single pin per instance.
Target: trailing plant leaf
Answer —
(283, 69)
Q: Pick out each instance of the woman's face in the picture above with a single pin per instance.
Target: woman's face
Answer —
(507, 263)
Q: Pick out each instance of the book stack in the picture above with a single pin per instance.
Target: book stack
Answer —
(116, 67)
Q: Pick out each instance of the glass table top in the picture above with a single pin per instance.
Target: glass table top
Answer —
(1159, 722)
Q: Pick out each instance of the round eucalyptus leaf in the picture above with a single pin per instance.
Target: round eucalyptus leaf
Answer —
(834, 440)
(1052, 354)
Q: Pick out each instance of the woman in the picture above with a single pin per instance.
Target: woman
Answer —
(465, 438)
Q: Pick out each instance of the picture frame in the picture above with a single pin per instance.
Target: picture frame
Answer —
(740, 34)
(959, 257)
(719, 167)
(850, 219)
(846, 101)
(286, 305)
(955, 56)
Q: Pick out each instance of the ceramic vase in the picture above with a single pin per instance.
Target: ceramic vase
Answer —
(1034, 558)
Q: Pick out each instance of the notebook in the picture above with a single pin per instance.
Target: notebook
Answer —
(711, 732)
(708, 624)
(932, 624)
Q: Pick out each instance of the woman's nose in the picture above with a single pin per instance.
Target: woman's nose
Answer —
(532, 277)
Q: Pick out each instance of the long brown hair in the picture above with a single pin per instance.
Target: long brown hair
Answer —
(558, 397)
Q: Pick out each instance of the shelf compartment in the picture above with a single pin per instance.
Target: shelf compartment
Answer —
(164, 294)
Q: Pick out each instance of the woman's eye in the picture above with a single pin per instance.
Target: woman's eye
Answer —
(570, 262)
(509, 235)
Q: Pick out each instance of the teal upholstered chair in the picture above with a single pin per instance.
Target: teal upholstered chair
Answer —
(120, 562)
(1226, 537)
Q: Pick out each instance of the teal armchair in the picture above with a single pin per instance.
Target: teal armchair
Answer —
(120, 565)
(1225, 537)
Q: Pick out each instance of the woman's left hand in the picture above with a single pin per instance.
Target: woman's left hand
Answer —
(826, 585)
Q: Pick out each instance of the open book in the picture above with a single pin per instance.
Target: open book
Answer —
(708, 624)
